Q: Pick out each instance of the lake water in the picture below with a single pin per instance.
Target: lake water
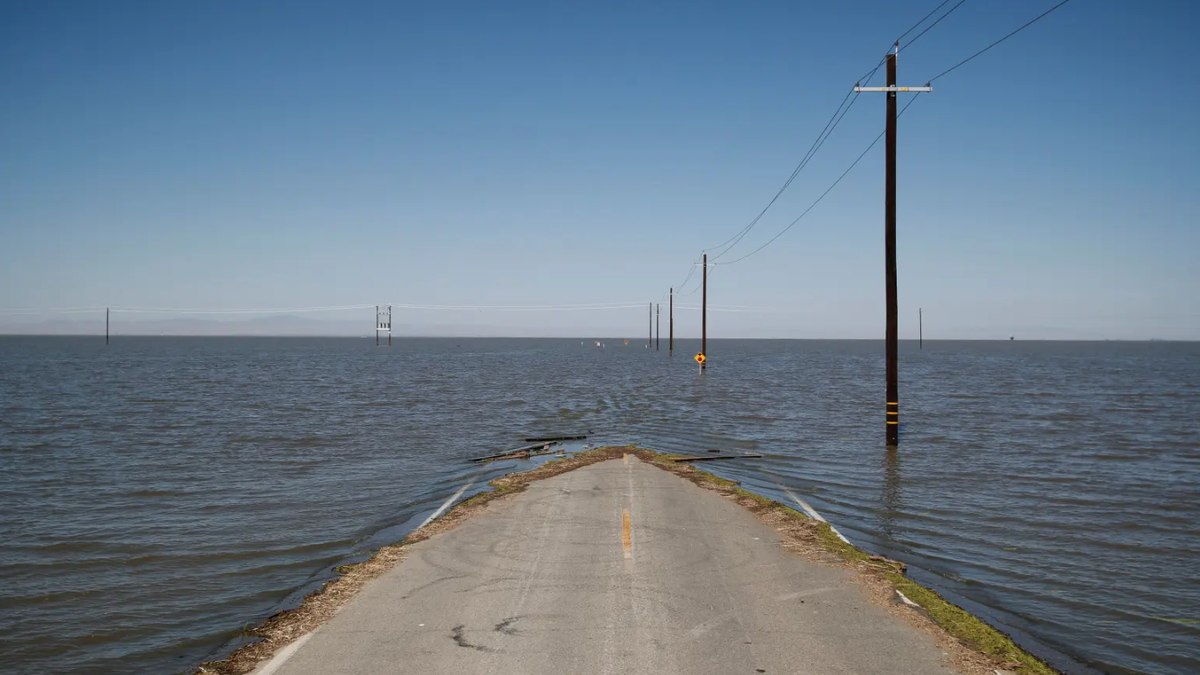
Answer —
(161, 494)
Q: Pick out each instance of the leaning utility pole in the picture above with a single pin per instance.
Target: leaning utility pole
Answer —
(892, 418)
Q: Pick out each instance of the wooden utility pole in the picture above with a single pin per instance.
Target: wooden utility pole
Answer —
(671, 325)
(920, 329)
(892, 416)
(704, 318)
(650, 325)
(106, 311)
(376, 325)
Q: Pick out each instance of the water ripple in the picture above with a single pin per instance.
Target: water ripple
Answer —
(161, 494)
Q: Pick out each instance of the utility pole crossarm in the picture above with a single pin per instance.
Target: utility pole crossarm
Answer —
(892, 320)
(926, 88)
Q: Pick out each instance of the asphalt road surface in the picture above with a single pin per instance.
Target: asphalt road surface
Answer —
(617, 567)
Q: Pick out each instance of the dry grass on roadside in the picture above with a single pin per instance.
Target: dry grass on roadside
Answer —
(283, 627)
(975, 646)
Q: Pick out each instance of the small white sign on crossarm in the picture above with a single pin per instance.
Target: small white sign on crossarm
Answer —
(915, 89)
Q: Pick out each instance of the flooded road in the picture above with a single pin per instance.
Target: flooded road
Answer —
(164, 493)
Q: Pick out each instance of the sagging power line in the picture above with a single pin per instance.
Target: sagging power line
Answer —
(866, 78)
(1022, 27)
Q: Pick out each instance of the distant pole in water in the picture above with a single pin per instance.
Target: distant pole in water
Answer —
(920, 329)
(106, 311)
(704, 317)
(657, 327)
(892, 417)
(383, 322)
(650, 325)
(671, 325)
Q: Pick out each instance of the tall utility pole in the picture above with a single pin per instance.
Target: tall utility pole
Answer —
(704, 318)
(650, 326)
(920, 329)
(106, 311)
(671, 325)
(657, 326)
(892, 417)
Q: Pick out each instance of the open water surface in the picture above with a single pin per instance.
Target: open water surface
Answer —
(160, 494)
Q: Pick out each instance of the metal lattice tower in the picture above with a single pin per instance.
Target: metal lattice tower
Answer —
(383, 323)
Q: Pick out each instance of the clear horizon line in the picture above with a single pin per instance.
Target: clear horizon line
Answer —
(632, 340)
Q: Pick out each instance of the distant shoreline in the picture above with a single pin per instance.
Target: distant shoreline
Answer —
(633, 341)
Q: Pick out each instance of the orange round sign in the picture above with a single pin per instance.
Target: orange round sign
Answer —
(700, 357)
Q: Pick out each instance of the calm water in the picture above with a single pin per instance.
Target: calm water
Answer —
(161, 494)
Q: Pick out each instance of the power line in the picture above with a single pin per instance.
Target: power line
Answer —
(830, 125)
(694, 290)
(691, 271)
(174, 310)
(302, 310)
(871, 73)
(877, 138)
(931, 13)
(265, 310)
(523, 308)
(930, 26)
(823, 194)
(1027, 24)
(835, 119)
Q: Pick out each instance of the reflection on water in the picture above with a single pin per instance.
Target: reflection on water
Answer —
(890, 503)
(161, 494)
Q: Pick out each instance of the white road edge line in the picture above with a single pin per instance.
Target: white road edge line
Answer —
(284, 654)
(812, 513)
(281, 656)
(446, 505)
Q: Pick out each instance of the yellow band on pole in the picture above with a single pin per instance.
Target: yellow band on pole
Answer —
(892, 422)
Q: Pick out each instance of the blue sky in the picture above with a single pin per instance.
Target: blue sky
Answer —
(262, 154)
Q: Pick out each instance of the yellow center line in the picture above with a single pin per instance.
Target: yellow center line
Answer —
(625, 458)
(626, 534)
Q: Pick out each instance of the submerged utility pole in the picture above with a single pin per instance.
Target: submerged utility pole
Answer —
(657, 327)
(650, 325)
(704, 318)
(892, 417)
(920, 329)
(671, 325)
(106, 311)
